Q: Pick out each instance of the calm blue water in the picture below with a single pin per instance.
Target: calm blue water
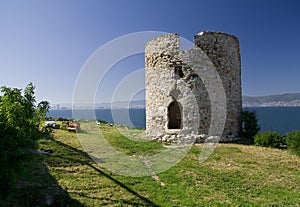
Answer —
(132, 117)
(278, 119)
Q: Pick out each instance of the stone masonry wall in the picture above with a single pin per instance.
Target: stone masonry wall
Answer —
(170, 79)
(224, 51)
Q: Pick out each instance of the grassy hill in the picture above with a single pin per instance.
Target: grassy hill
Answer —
(235, 175)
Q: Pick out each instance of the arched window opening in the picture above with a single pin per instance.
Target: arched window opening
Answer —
(178, 71)
(174, 116)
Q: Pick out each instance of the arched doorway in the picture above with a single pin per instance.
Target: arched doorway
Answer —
(174, 115)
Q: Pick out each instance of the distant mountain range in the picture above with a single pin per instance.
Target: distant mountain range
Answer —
(288, 99)
(123, 104)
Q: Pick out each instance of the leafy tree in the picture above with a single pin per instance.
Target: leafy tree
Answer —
(19, 127)
(250, 125)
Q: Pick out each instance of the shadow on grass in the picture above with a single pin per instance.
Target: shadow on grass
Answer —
(34, 186)
(146, 201)
(244, 141)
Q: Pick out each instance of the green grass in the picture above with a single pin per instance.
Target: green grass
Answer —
(130, 141)
(235, 175)
(35, 186)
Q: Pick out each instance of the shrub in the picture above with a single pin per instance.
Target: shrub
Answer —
(19, 123)
(250, 125)
(269, 139)
(102, 121)
(293, 142)
(63, 119)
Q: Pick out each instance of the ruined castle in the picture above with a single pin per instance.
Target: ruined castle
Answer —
(179, 87)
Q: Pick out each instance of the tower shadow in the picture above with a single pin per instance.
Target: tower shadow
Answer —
(89, 162)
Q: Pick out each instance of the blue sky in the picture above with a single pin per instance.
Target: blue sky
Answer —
(48, 42)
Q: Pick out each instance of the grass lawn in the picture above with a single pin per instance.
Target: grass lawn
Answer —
(235, 175)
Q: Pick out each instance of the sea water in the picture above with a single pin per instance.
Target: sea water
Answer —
(279, 119)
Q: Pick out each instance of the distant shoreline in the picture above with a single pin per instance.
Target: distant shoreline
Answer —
(69, 108)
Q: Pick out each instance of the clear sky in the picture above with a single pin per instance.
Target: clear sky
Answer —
(48, 42)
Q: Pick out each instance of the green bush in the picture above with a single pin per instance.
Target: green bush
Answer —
(102, 121)
(293, 142)
(269, 139)
(250, 125)
(19, 123)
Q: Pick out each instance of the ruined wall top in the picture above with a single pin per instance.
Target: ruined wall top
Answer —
(212, 33)
(220, 42)
(171, 42)
(167, 42)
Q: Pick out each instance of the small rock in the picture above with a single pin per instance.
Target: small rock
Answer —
(229, 165)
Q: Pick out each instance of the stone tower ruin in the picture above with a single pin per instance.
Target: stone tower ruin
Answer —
(178, 102)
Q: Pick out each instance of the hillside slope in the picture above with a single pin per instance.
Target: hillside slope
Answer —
(289, 99)
(234, 175)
